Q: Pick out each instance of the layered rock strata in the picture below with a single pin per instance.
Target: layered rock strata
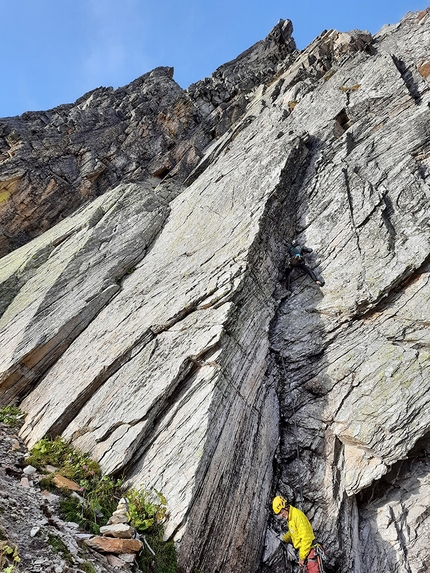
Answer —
(152, 328)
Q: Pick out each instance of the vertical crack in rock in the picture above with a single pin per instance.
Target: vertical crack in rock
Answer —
(238, 434)
(351, 208)
(408, 78)
(332, 391)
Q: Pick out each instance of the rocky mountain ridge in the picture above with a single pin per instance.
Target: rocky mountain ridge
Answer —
(52, 162)
(152, 328)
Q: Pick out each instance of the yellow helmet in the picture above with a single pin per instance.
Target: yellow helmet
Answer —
(279, 503)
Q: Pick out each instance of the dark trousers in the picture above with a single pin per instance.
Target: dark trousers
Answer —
(304, 268)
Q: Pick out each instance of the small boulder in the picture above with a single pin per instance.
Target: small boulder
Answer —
(121, 518)
(128, 557)
(114, 545)
(25, 482)
(29, 470)
(51, 469)
(65, 483)
(115, 561)
(121, 530)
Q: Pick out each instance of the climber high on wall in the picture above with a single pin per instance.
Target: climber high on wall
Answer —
(301, 535)
(297, 261)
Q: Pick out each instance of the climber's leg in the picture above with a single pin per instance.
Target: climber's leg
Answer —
(288, 278)
(310, 272)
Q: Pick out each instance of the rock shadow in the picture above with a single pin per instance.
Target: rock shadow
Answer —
(297, 364)
(235, 475)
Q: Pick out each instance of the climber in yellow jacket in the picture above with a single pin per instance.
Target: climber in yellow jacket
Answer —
(300, 533)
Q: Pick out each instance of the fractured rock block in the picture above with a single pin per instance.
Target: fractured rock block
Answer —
(114, 561)
(114, 519)
(128, 557)
(114, 545)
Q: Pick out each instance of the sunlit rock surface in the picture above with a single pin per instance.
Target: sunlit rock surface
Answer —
(152, 328)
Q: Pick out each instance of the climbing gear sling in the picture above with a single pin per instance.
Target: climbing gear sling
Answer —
(321, 556)
(316, 556)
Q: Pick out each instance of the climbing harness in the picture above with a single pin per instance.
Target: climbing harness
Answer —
(319, 556)
(295, 434)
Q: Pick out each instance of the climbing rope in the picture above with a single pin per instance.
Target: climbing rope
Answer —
(296, 434)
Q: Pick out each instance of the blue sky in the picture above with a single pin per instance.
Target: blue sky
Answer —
(54, 51)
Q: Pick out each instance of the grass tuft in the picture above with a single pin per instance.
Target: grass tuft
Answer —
(11, 416)
(165, 558)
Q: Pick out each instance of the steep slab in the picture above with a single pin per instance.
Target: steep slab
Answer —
(193, 377)
(165, 381)
(55, 286)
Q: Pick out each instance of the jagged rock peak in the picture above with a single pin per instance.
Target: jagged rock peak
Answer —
(252, 67)
(150, 127)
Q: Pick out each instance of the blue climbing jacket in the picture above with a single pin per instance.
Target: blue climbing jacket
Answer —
(294, 250)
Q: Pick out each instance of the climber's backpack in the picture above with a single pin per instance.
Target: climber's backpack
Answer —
(295, 261)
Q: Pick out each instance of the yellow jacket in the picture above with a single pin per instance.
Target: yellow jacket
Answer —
(300, 532)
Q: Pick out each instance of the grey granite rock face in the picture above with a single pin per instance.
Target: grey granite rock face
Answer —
(356, 353)
(152, 328)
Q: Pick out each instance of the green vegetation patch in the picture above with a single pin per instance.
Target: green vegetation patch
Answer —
(70, 463)
(58, 546)
(165, 558)
(9, 558)
(11, 416)
(147, 512)
(87, 567)
(99, 497)
(99, 494)
(144, 511)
